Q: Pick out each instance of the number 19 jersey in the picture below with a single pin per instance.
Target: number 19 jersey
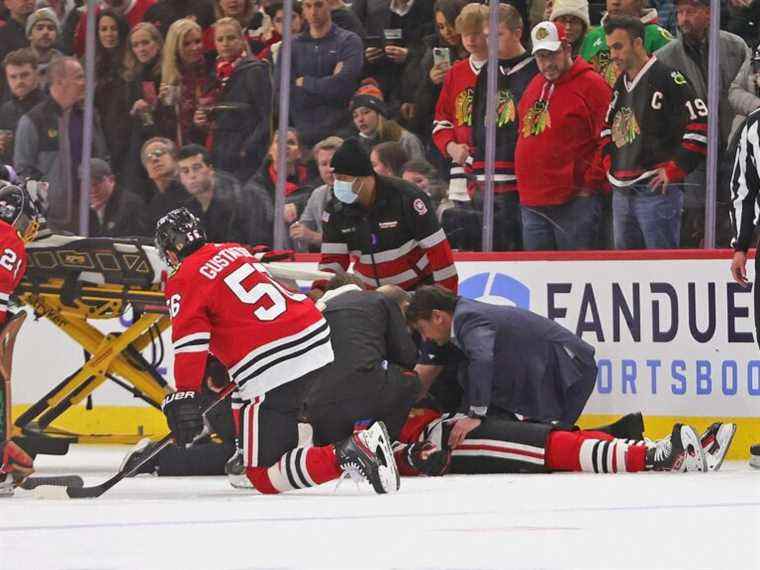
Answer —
(222, 300)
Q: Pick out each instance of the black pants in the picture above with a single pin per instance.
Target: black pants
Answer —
(388, 401)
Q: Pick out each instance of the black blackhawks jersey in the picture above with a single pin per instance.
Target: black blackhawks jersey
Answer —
(745, 183)
(398, 241)
(512, 80)
(654, 121)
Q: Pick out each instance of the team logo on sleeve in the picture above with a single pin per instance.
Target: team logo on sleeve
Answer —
(625, 129)
(678, 78)
(419, 207)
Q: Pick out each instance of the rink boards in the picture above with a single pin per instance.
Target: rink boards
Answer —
(674, 338)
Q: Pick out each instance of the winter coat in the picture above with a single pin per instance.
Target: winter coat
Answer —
(319, 107)
(733, 53)
(121, 218)
(241, 136)
(564, 158)
(10, 114)
(743, 95)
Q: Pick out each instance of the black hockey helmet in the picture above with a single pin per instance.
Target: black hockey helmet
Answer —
(19, 210)
(179, 231)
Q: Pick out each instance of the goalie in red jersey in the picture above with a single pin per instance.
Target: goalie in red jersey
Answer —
(19, 221)
(274, 343)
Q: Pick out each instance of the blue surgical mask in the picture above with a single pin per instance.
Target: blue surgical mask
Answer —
(343, 191)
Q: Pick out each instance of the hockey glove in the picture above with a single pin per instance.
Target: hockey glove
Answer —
(16, 463)
(183, 416)
(426, 458)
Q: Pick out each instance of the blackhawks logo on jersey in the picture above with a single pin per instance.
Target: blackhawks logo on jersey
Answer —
(463, 107)
(625, 129)
(603, 65)
(505, 110)
(537, 120)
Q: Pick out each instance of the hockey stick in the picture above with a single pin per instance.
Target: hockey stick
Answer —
(57, 480)
(73, 492)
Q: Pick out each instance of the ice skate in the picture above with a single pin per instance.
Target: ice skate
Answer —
(679, 452)
(715, 442)
(137, 454)
(754, 456)
(368, 455)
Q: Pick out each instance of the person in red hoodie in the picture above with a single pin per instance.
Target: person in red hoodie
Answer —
(558, 157)
(133, 12)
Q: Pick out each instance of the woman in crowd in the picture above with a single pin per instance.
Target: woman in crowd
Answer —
(254, 22)
(111, 94)
(186, 79)
(388, 158)
(239, 121)
(374, 127)
(142, 71)
(273, 40)
(432, 72)
(425, 176)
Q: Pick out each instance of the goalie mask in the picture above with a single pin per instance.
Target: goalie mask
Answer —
(180, 232)
(19, 210)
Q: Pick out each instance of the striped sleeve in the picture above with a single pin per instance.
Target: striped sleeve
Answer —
(334, 255)
(745, 184)
(191, 335)
(433, 241)
(693, 147)
(443, 122)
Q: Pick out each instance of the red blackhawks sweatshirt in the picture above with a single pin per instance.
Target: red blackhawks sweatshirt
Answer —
(558, 150)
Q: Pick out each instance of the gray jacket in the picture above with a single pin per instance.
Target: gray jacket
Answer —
(522, 363)
(733, 53)
(743, 94)
(43, 152)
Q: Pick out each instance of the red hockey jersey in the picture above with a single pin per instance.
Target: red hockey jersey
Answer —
(12, 265)
(221, 300)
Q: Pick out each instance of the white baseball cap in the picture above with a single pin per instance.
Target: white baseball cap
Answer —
(548, 36)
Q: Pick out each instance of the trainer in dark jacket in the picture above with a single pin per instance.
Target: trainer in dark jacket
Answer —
(371, 375)
(518, 362)
(387, 225)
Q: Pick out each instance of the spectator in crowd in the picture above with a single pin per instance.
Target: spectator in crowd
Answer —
(20, 68)
(395, 30)
(262, 187)
(13, 34)
(388, 159)
(344, 17)
(447, 43)
(133, 11)
(43, 30)
(744, 94)
(163, 192)
(307, 231)
(425, 176)
(594, 49)
(688, 54)
(165, 12)
(654, 135)
(563, 108)
(411, 248)
(239, 121)
(273, 41)
(742, 17)
(516, 68)
(453, 112)
(374, 126)
(573, 15)
(114, 212)
(254, 22)
(112, 99)
(49, 142)
(186, 78)
(216, 197)
(142, 72)
(666, 14)
(326, 64)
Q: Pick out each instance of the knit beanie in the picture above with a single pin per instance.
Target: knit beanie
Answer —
(577, 8)
(351, 159)
(370, 102)
(40, 15)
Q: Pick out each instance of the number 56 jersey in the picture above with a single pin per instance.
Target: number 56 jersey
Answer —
(221, 300)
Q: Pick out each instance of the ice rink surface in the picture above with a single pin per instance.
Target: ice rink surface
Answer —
(557, 521)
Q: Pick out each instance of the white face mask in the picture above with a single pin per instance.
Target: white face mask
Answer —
(344, 192)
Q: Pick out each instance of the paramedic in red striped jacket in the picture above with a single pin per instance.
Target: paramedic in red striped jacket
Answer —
(655, 133)
(386, 225)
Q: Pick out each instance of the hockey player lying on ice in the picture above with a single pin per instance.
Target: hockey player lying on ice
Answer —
(521, 366)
